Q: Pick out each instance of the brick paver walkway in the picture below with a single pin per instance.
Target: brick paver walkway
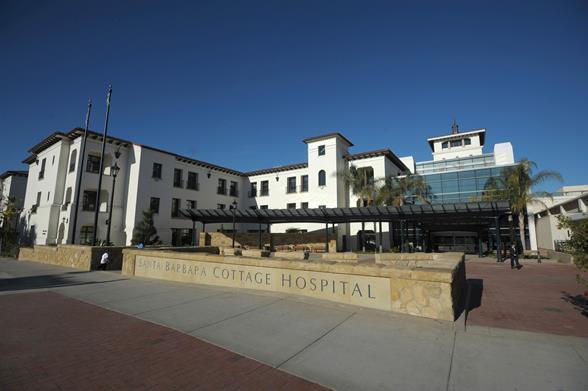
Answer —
(51, 342)
(535, 298)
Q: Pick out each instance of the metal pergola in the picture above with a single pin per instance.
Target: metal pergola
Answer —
(455, 215)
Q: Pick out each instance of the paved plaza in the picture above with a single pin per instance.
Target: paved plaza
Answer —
(69, 329)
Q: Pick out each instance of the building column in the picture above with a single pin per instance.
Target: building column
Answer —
(327, 237)
(532, 231)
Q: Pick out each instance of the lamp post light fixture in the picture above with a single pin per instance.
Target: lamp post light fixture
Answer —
(234, 209)
(113, 173)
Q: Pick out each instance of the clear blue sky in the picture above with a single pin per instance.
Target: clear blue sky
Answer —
(241, 83)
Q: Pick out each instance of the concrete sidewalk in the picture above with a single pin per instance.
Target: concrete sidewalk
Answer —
(338, 346)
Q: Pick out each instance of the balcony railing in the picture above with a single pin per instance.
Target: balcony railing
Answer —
(264, 192)
(234, 192)
(299, 189)
(221, 190)
(178, 183)
(291, 189)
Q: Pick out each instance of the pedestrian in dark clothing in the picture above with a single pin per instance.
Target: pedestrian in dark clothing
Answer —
(514, 257)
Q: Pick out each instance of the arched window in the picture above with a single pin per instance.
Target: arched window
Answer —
(322, 178)
(72, 160)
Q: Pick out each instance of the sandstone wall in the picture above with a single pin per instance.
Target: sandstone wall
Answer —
(77, 256)
(430, 289)
(311, 241)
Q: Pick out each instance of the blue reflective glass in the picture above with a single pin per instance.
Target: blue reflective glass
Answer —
(449, 175)
(467, 185)
(450, 187)
(467, 174)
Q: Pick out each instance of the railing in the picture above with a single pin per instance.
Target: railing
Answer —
(290, 190)
(233, 192)
(264, 193)
(221, 190)
(178, 183)
(299, 189)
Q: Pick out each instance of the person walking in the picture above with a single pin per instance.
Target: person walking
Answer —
(514, 257)
(103, 261)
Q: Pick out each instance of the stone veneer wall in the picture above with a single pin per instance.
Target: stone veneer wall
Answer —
(431, 290)
(81, 257)
(312, 241)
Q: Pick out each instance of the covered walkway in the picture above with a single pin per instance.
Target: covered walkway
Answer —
(407, 223)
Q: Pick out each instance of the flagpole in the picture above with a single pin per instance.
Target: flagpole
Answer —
(80, 172)
(101, 172)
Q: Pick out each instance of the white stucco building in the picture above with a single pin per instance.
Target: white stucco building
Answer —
(13, 186)
(166, 182)
(150, 178)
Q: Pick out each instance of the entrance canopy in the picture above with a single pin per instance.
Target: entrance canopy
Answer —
(456, 213)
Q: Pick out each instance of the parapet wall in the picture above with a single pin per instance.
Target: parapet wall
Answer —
(431, 290)
(81, 257)
(306, 241)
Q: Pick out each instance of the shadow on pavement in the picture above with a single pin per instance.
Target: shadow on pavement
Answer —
(580, 302)
(474, 296)
(47, 281)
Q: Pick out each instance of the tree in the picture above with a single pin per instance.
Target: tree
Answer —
(577, 245)
(515, 184)
(145, 232)
(8, 234)
(398, 191)
(362, 184)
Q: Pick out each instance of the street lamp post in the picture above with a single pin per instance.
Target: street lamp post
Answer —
(234, 209)
(113, 172)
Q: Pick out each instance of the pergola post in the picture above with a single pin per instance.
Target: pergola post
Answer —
(271, 237)
(402, 235)
(380, 226)
(327, 237)
(497, 225)
(193, 232)
(363, 236)
(259, 239)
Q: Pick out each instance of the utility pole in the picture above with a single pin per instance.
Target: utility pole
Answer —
(80, 173)
(101, 166)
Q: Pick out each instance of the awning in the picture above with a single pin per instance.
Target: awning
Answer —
(462, 212)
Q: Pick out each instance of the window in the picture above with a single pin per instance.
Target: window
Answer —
(322, 206)
(154, 204)
(233, 189)
(321, 150)
(220, 206)
(89, 200)
(291, 187)
(42, 172)
(72, 160)
(86, 234)
(192, 181)
(253, 207)
(304, 183)
(191, 204)
(253, 190)
(304, 205)
(93, 164)
(467, 141)
(222, 187)
(444, 145)
(263, 207)
(156, 173)
(455, 143)
(67, 200)
(366, 174)
(264, 188)
(48, 195)
(178, 181)
(175, 209)
(53, 160)
(322, 178)
(291, 206)
(34, 208)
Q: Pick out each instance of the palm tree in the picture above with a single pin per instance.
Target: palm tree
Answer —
(398, 191)
(515, 184)
(362, 184)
